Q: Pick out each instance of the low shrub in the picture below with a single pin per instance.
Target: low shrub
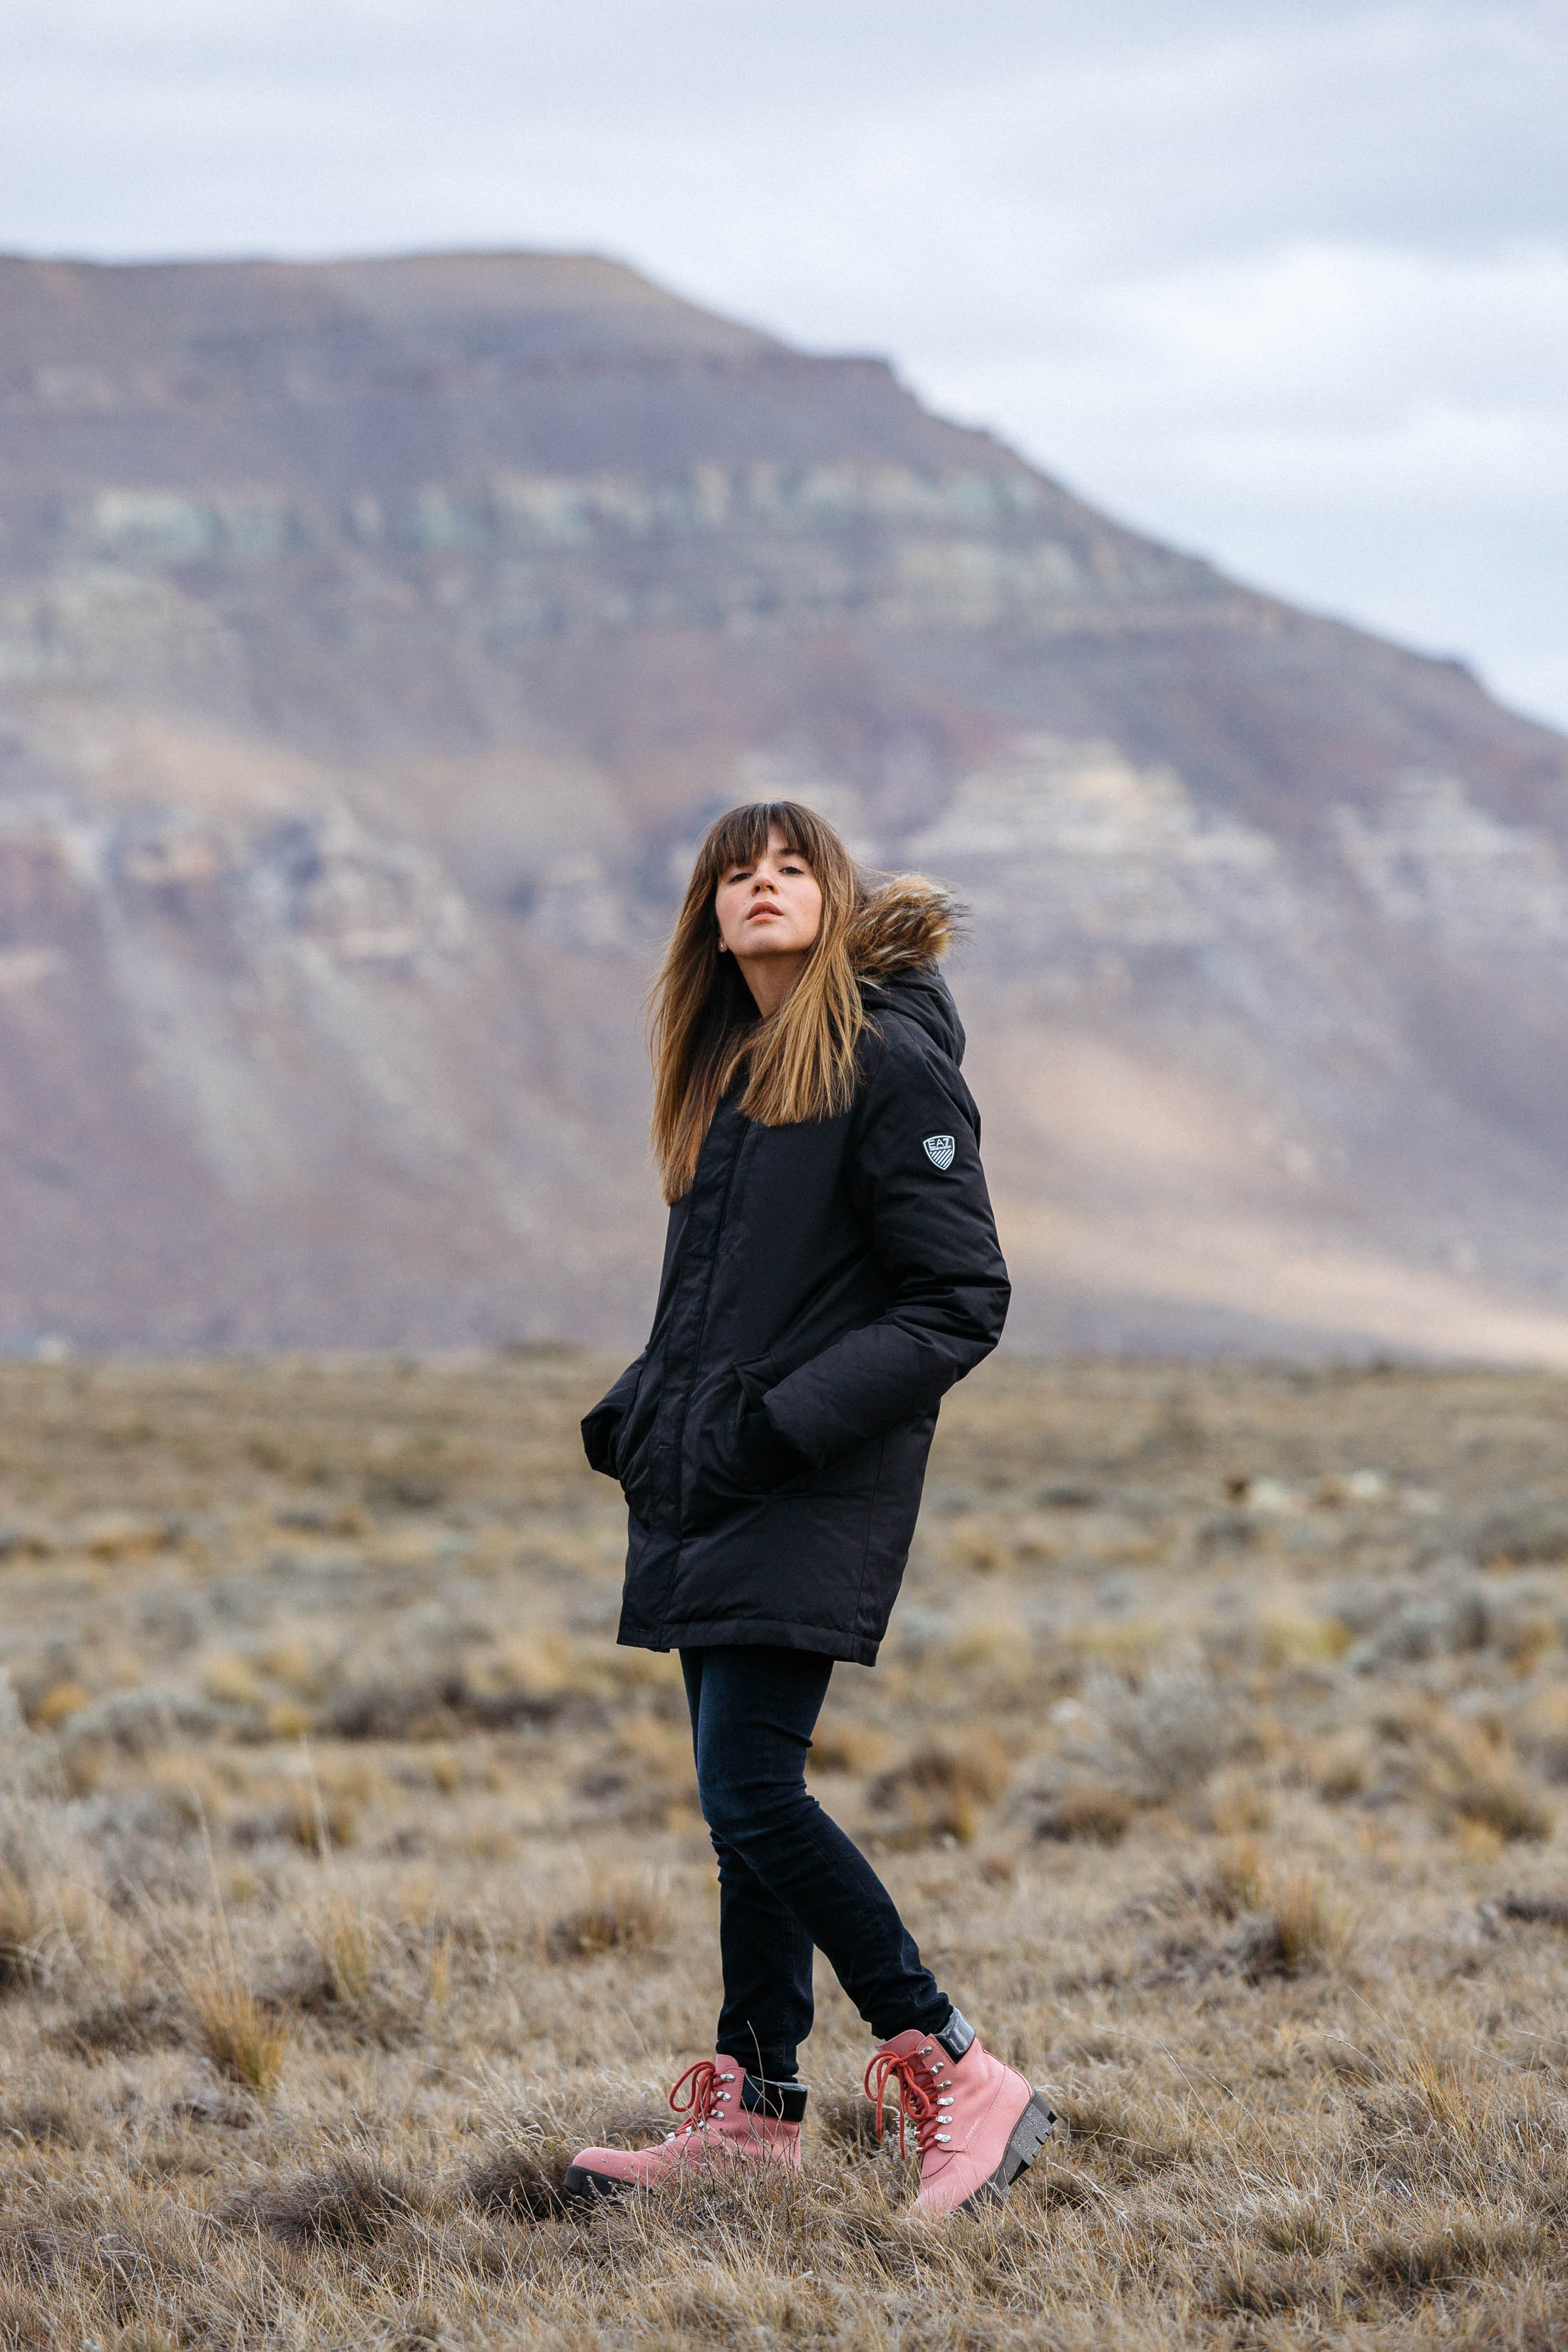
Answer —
(1175, 1729)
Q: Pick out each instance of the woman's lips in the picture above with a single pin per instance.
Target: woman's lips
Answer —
(768, 914)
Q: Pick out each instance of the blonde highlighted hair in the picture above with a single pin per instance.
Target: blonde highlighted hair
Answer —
(703, 1026)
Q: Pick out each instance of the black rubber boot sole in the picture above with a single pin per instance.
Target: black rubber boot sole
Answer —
(583, 2187)
(1029, 2134)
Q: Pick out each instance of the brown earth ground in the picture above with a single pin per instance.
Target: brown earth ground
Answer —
(353, 1876)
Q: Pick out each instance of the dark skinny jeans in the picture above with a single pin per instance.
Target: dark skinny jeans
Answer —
(789, 1879)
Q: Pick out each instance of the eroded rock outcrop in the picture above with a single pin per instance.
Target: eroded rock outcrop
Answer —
(374, 640)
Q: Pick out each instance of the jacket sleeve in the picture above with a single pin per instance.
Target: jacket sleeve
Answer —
(929, 1217)
(601, 1427)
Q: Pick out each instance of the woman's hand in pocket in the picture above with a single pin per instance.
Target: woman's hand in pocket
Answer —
(764, 1458)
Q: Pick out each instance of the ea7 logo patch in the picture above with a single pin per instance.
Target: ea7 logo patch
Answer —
(938, 1150)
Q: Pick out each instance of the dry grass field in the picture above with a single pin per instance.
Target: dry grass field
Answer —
(350, 1876)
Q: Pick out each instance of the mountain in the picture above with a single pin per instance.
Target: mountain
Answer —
(376, 639)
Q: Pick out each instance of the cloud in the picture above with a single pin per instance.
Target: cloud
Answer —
(1282, 280)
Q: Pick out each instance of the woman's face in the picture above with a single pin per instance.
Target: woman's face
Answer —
(769, 912)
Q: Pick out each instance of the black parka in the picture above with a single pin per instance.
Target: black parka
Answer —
(824, 1286)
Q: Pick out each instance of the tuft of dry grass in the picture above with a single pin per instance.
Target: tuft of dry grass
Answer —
(1239, 1881)
(847, 1747)
(1472, 1777)
(1312, 1926)
(321, 1825)
(23, 1920)
(941, 1788)
(849, 2121)
(1459, 2246)
(1289, 1920)
(57, 1704)
(1340, 1767)
(628, 1914)
(1237, 1802)
(1095, 1810)
(1131, 2138)
(1291, 1637)
(347, 1946)
(350, 2201)
(231, 1681)
(1548, 1910)
(122, 2023)
(1300, 2226)
(522, 2182)
(245, 2040)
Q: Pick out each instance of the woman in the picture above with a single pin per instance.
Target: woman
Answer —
(831, 1269)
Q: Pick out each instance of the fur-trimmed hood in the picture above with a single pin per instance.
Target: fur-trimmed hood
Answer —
(894, 945)
(908, 921)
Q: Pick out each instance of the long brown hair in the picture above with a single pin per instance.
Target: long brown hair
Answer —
(703, 1022)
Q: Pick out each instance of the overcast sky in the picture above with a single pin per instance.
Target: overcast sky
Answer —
(1285, 281)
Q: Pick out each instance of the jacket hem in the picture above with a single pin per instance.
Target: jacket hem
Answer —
(755, 1633)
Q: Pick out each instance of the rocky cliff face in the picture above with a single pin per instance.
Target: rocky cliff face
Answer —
(377, 637)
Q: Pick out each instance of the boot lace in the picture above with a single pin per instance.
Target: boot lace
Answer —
(921, 2101)
(703, 2100)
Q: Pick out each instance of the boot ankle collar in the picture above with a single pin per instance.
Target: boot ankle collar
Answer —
(957, 2035)
(786, 2101)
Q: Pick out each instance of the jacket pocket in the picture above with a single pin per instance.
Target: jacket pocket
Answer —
(730, 1460)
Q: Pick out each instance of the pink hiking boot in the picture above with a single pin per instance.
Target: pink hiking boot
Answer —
(728, 2113)
(977, 2123)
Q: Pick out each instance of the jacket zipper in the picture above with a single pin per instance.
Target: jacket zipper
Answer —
(679, 1448)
